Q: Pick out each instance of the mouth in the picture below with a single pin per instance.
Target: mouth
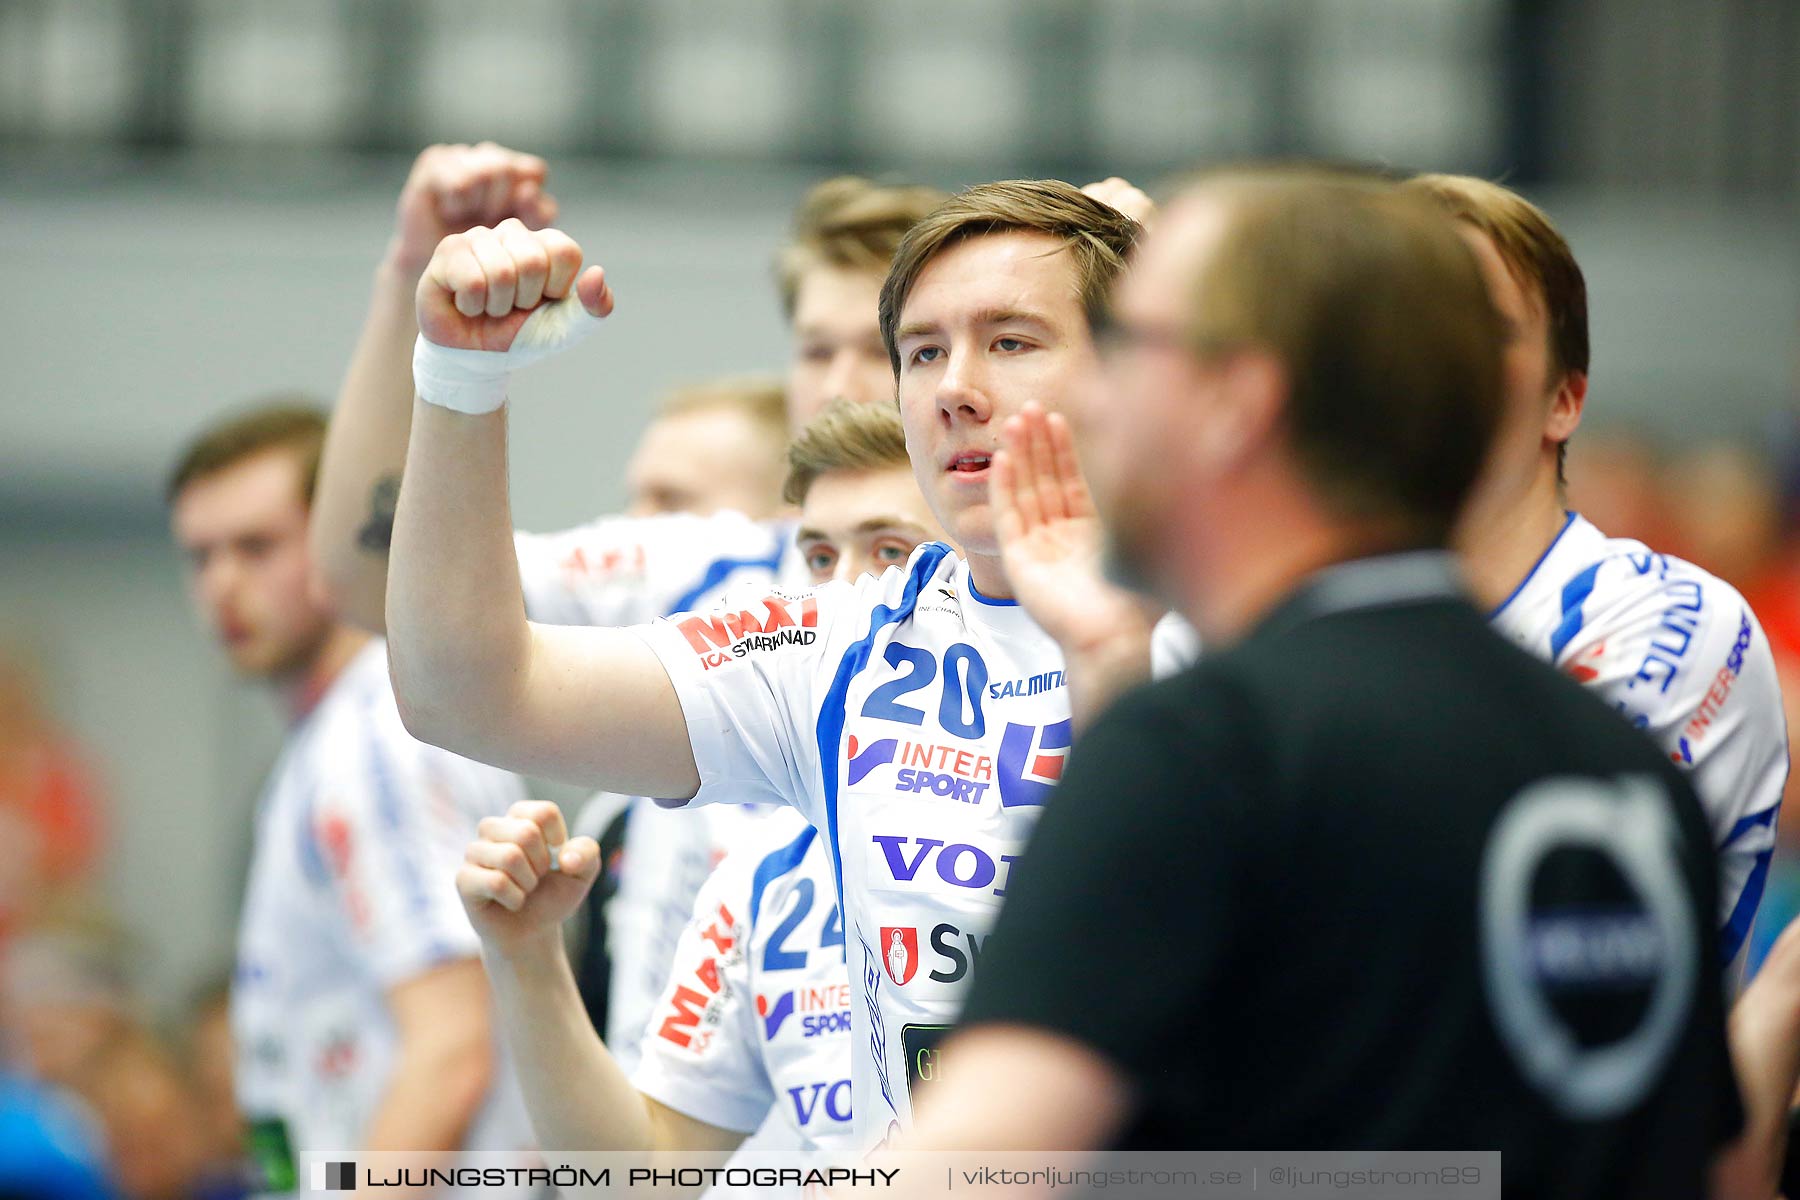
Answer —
(970, 462)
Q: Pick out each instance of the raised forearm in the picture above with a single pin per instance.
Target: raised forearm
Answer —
(449, 189)
(470, 673)
(365, 450)
(458, 642)
(578, 1097)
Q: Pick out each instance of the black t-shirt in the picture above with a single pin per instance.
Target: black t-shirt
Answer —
(1374, 879)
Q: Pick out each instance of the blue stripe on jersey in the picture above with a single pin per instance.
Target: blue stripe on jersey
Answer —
(1535, 567)
(990, 601)
(394, 814)
(1743, 913)
(1753, 821)
(312, 858)
(1731, 938)
(718, 572)
(831, 712)
(776, 864)
(1575, 594)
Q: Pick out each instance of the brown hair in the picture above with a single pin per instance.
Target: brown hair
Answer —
(1097, 235)
(845, 436)
(760, 400)
(292, 423)
(1536, 254)
(1532, 249)
(1379, 316)
(850, 223)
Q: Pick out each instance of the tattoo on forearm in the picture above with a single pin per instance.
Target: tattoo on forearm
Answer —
(377, 533)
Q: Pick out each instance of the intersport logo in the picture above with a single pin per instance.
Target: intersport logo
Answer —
(820, 1007)
(1029, 766)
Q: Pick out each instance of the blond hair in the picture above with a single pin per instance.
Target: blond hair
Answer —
(850, 223)
(760, 400)
(844, 437)
(1097, 235)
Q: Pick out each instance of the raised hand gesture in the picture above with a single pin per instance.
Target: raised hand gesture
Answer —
(1053, 548)
(482, 284)
(515, 897)
(452, 188)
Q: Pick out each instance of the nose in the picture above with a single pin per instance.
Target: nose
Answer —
(961, 394)
(846, 570)
(217, 579)
(217, 584)
(849, 378)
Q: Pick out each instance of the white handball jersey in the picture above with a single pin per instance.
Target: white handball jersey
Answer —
(755, 1016)
(627, 570)
(668, 855)
(351, 892)
(618, 571)
(1680, 655)
(920, 727)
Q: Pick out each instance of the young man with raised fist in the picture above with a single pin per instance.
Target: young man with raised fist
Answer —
(752, 1018)
(823, 700)
(612, 570)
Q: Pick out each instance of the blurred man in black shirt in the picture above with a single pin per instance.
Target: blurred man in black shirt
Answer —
(1367, 877)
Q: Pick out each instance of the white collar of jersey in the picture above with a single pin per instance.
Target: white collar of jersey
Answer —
(1377, 582)
(1004, 617)
(1575, 545)
(369, 661)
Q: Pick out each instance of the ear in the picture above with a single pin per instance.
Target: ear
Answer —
(1566, 407)
(1252, 391)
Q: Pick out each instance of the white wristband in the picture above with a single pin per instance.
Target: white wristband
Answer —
(474, 381)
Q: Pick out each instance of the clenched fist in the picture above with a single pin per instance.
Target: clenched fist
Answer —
(512, 894)
(1124, 196)
(482, 284)
(453, 188)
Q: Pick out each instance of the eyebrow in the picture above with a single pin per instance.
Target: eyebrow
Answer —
(981, 316)
(818, 330)
(872, 525)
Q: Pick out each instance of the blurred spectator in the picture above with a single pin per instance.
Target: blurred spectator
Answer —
(209, 1059)
(713, 447)
(67, 992)
(49, 803)
(146, 1105)
(1724, 508)
(78, 1030)
(49, 1150)
(1614, 482)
